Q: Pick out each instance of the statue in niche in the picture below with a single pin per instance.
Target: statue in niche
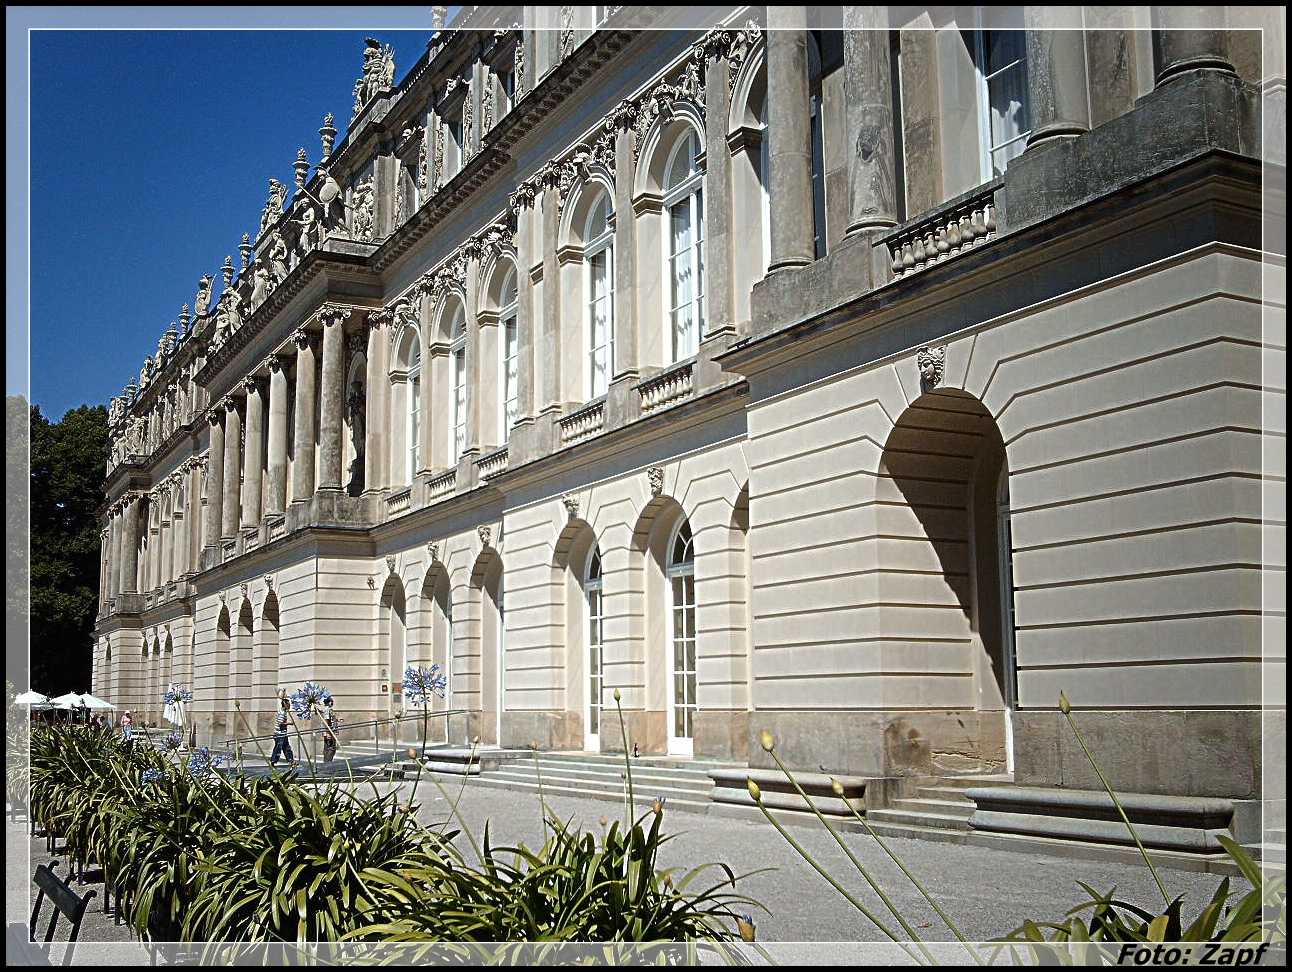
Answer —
(401, 203)
(277, 258)
(203, 302)
(358, 429)
(364, 202)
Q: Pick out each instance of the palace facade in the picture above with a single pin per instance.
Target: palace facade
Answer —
(867, 382)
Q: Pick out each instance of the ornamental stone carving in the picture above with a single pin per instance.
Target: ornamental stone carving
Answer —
(931, 362)
(364, 209)
(655, 476)
(274, 206)
(269, 582)
(378, 75)
(390, 564)
(433, 551)
(571, 506)
(519, 74)
(485, 533)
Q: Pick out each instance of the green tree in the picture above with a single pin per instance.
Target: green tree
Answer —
(17, 426)
(67, 467)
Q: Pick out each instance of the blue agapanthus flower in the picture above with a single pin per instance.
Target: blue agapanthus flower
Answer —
(422, 683)
(310, 700)
(203, 761)
(152, 776)
(172, 741)
(177, 693)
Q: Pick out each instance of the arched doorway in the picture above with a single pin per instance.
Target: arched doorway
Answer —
(946, 576)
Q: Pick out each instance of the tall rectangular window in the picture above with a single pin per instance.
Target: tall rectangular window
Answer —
(1004, 120)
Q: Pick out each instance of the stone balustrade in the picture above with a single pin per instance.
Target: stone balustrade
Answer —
(228, 550)
(277, 527)
(400, 502)
(958, 226)
(668, 386)
(445, 484)
(583, 423)
(492, 464)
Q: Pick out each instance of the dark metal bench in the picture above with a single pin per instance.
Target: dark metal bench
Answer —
(67, 904)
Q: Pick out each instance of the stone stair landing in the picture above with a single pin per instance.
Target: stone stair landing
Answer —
(939, 810)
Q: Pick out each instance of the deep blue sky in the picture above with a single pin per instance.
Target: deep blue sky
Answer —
(151, 152)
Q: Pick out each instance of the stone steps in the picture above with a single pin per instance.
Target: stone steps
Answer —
(685, 784)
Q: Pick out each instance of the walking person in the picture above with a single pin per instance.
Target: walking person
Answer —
(282, 744)
(127, 727)
(330, 721)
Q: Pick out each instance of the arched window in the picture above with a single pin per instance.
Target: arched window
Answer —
(458, 359)
(599, 256)
(596, 646)
(507, 384)
(681, 581)
(684, 211)
(414, 406)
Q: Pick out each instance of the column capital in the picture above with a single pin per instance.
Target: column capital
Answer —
(330, 314)
(277, 363)
(304, 339)
(252, 385)
(229, 403)
(213, 415)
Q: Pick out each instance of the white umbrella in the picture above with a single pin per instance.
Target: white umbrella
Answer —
(30, 698)
(69, 701)
(90, 702)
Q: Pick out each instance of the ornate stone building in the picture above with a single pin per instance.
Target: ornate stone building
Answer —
(867, 385)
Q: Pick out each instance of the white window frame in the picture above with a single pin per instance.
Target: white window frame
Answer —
(461, 386)
(414, 411)
(986, 147)
(689, 192)
(683, 571)
(594, 622)
(508, 360)
(602, 245)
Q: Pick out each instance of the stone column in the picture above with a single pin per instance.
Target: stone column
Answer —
(719, 256)
(868, 116)
(332, 393)
(548, 349)
(526, 339)
(477, 435)
(276, 500)
(1187, 39)
(152, 546)
(789, 136)
(232, 469)
(130, 546)
(114, 554)
(196, 506)
(254, 458)
(625, 254)
(214, 482)
(303, 424)
(1056, 74)
(377, 445)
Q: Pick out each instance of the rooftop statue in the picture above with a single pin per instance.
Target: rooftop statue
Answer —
(203, 302)
(378, 74)
(274, 205)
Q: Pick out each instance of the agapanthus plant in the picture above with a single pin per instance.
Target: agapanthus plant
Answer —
(151, 776)
(310, 701)
(203, 761)
(172, 741)
(420, 684)
(176, 694)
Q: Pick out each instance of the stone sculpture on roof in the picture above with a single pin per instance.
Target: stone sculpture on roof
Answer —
(378, 74)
